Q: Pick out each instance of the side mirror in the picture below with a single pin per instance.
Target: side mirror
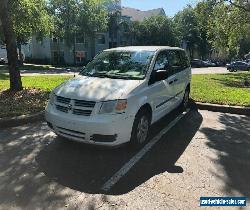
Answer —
(158, 75)
(161, 74)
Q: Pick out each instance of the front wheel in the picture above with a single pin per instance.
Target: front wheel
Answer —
(185, 100)
(140, 129)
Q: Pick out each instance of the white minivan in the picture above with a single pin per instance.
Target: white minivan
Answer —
(119, 94)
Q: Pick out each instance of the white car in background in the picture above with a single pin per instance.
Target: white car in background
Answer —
(120, 94)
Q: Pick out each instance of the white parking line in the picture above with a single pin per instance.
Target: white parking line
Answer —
(119, 174)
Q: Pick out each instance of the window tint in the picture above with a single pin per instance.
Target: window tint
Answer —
(174, 58)
(184, 59)
(161, 61)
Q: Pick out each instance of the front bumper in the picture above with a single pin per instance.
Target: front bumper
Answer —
(105, 130)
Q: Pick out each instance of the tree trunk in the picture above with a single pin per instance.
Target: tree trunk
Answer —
(92, 44)
(19, 46)
(11, 47)
(74, 50)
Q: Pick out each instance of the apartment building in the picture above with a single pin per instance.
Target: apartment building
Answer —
(55, 51)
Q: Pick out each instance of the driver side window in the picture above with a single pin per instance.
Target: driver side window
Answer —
(161, 62)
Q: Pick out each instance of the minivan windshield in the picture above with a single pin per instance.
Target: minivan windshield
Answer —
(119, 65)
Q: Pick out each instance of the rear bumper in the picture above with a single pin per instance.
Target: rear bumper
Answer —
(104, 130)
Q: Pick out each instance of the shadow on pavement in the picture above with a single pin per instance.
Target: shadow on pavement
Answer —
(21, 184)
(232, 142)
(86, 169)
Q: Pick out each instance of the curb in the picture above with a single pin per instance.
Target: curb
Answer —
(20, 120)
(221, 108)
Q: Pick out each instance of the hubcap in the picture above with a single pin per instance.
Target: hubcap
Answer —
(142, 129)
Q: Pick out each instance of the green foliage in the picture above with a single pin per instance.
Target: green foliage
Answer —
(187, 26)
(217, 26)
(72, 17)
(156, 30)
(229, 29)
(30, 17)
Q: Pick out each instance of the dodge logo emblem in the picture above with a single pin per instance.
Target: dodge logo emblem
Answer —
(69, 106)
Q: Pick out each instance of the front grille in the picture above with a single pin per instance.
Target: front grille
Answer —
(73, 106)
(63, 100)
(82, 112)
(62, 108)
(82, 103)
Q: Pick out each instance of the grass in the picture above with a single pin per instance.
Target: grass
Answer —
(42, 82)
(226, 89)
(26, 66)
(213, 88)
(32, 99)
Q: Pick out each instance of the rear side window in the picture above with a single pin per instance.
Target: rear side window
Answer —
(184, 59)
(174, 58)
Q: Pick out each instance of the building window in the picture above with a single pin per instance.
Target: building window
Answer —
(80, 39)
(58, 57)
(101, 39)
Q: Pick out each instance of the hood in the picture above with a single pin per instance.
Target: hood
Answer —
(96, 89)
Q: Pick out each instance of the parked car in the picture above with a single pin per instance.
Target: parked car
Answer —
(238, 65)
(209, 63)
(197, 63)
(3, 55)
(120, 94)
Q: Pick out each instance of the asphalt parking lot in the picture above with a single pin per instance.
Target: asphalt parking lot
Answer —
(203, 154)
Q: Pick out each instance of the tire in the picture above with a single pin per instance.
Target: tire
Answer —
(185, 100)
(139, 135)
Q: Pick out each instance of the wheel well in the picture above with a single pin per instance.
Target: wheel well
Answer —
(148, 109)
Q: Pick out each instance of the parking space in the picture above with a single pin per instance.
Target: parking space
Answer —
(203, 154)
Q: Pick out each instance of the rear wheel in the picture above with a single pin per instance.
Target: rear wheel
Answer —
(140, 129)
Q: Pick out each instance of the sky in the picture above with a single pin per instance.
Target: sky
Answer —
(171, 7)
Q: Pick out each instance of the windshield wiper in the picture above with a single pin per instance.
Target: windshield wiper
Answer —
(124, 76)
(113, 76)
(101, 75)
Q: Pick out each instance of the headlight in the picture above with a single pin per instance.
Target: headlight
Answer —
(52, 97)
(117, 106)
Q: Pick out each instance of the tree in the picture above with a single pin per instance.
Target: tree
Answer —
(203, 12)
(156, 30)
(228, 29)
(20, 20)
(240, 4)
(30, 17)
(10, 40)
(188, 30)
(73, 17)
(114, 23)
